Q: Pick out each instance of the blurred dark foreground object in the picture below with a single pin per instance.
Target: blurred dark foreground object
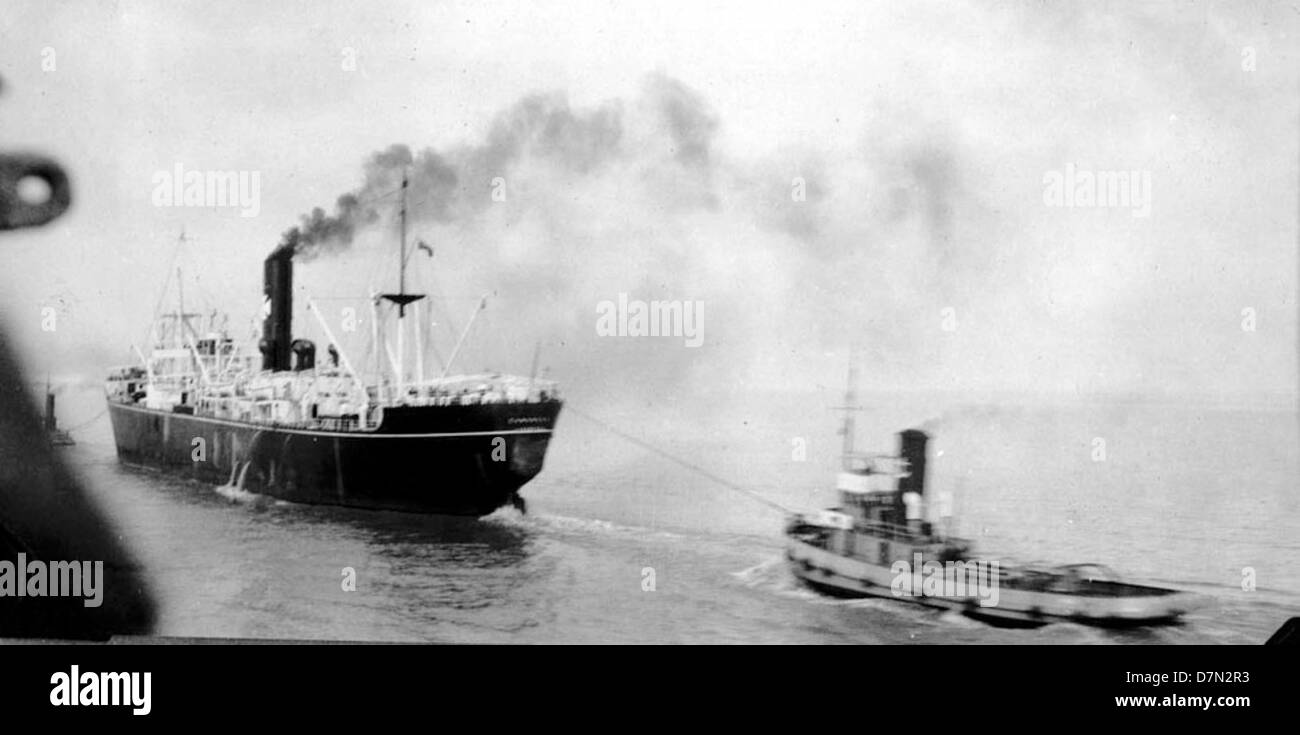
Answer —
(1287, 635)
(45, 515)
(45, 198)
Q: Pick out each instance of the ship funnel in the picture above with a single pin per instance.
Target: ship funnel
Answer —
(911, 447)
(276, 344)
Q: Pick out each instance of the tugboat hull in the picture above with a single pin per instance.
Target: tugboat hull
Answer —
(461, 460)
(1107, 604)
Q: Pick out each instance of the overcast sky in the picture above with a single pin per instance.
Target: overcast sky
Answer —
(653, 148)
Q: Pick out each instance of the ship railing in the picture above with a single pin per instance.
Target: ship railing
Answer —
(465, 399)
(127, 372)
(337, 423)
(894, 531)
(505, 384)
(880, 528)
(470, 393)
(327, 423)
(876, 464)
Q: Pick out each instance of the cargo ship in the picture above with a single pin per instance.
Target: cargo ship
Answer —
(319, 431)
(877, 543)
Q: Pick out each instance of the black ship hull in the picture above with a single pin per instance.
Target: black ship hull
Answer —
(455, 460)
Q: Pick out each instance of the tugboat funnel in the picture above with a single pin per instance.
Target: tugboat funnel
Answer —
(912, 448)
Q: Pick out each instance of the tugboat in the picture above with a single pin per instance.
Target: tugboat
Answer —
(393, 439)
(876, 544)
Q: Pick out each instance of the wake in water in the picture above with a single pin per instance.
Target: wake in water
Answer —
(570, 526)
(240, 496)
(772, 575)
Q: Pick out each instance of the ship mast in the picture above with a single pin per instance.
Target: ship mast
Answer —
(401, 298)
(401, 251)
(849, 407)
(850, 400)
(179, 334)
(181, 326)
